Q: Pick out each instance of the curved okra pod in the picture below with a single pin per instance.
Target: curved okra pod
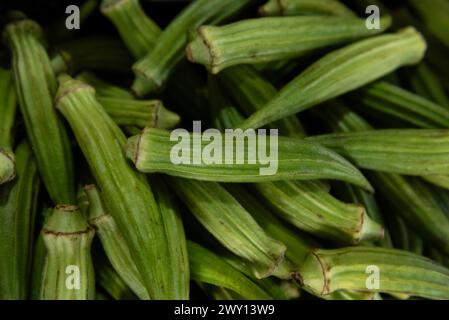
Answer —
(153, 70)
(113, 243)
(374, 269)
(136, 29)
(35, 84)
(91, 52)
(18, 201)
(8, 112)
(154, 149)
(264, 40)
(128, 112)
(403, 151)
(221, 214)
(390, 101)
(342, 71)
(176, 238)
(305, 7)
(207, 267)
(68, 272)
(251, 92)
(126, 194)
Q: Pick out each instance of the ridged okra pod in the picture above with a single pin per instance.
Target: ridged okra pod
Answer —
(389, 101)
(438, 180)
(36, 85)
(8, 112)
(104, 88)
(136, 29)
(18, 201)
(221, 214)
(374, 269)
(403, 151)
(149, 113)
(176, 239)
(114, 243)
(263, 40)
(305, 7)
(153, 151)
(342, 71)
(207, 267)
(153, 70)
(126, 194)
(68, 272)
(251, 92)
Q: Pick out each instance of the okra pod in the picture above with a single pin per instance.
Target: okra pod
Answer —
(251, 92)
(176, 239)
(98, 53)
(207, 267)
(221, 214)
(391, 101)
(36, 85)
(403, 151)
(152, 151)
(18, 200)
(153, 70)
(110, 280)
(438, 180)
(126, 194)
(264, 40)
(68, 272)
(342, 71)
(136, 29)
(305, 7)
(150, 113)
(374, 269)
(8, 111)
(114, 243)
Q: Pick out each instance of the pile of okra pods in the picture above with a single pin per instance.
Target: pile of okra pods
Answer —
(241, 149)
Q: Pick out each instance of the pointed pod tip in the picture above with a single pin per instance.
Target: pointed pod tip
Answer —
(7, 166)
(132, 148)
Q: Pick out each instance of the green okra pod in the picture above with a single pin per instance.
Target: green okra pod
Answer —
(425, 82)
(126, 194)
(153, 151)
(104, 88)
(176, 238)
(35, 85)
(207, 267)
(68, 272)
(153, 70)
(113, 243)
(150, 113)
(264, 40)
(136, 29)
(18, 200)
(356, 268)
(98, 53)
(434, 17)
(305, 7)
(393, 102)
(221, 214)
(251, 92)
(438, 180)
(342, 71)
(111, 282)
(413, 201)
(403, 151)
(8, 112)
